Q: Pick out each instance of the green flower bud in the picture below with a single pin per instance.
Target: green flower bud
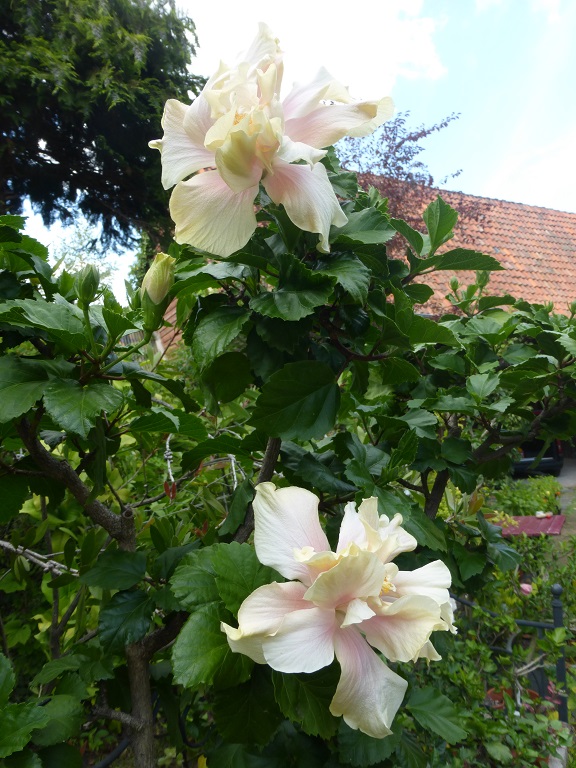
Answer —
(155, 288)
(86, 285)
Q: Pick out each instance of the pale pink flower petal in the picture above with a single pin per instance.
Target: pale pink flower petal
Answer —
(359, 574)
(368, 693)
(357, 610)
(286, 520)
(351, 529)
(261, 614)
(182, 147)
(403, 627)
(210, 216)
(303, 643)
(432, 580)
(308, 197)
(323, 112)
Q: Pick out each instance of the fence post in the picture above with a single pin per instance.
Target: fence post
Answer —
(558, 620)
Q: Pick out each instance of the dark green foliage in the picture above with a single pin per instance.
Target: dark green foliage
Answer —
(82, 89)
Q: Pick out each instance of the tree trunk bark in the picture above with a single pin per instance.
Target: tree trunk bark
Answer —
(143, 743)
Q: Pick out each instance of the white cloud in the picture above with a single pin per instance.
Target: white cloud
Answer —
(367, 49)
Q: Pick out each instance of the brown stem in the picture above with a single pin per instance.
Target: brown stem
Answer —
(120, 527)
(266, 472)
(142, 716)
(435, 497)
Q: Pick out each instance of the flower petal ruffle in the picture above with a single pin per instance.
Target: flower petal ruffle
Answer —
(308, 197)
(210, 216)
(286, 519)
(368, 693)
(303, 643)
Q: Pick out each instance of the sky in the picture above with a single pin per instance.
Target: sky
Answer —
(508, 67)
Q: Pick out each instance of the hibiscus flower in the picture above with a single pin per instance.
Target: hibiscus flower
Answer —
(240, 134)
(341, 604)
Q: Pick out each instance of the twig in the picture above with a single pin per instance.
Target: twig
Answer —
(41, 561)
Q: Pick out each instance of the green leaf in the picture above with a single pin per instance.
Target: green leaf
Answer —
(409, 752)
(463, 258)
(366, 227)
(357, 749)
(238, 573)
(418, 293)
(456, 450)
(351, 274)
(228, 376)
(414, 238)
(66, 716)
(218, 446)
(243, 495)
(159, 420)
(497, 550)
(22, 383)
(125, 619)
(26, 759)
(202, 656)
(116, 570)
(194, 581)
(13, 492)
(6, 680)
(116, 323)
(440, 220)
(76, 408)
(305, 699)
(17, 721)
(60, 755)
(299, 292)
(248, 713)
(425, 531)
(499, 751)
(425, 331)
(395, 370)
(436, 713)
(299, 401)
(53, 669)
(215, 332)
(62, 321)
(481, 385)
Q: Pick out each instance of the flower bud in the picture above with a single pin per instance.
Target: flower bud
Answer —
(155, 288)
(86, 285)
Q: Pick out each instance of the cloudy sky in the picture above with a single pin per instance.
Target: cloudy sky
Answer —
(507, 66)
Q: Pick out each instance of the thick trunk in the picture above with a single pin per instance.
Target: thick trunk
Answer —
(143, 744)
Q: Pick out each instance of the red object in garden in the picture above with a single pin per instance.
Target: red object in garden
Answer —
(534, 526)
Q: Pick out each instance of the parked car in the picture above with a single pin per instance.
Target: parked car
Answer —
(550, 463)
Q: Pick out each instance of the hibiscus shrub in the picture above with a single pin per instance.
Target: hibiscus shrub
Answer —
(155, 580)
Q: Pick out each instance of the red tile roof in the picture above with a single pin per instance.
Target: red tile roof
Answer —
(536, 246)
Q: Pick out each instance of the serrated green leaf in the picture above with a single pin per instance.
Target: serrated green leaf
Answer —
(243, 495)
(305, 699)
(499, 752)
(413, 236)
(425, 331)
(463, 258)
(158, 420)
(202, 656)
(6, 680)
(218, 446)
(215, 332)
(351, 274)
(300, 400)
(248, 713)
(53, 669)
(238, 573)
(456, 449)
(440, 220)
(366, 227)
(425, 531)
(26, 759)
(194, 580)
(17, 721)
(435, 712)
(418, 293)
(481, 385)
(75, 408)
(357, 749)
(116, 570)
(116, 323)
(22, 383)
(66, 715)
(299, 292)
(61, 321)
(125, 619)
(228, 376)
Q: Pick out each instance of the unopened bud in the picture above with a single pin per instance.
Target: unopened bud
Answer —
(86, 284)
(155, 288)
(454, 284)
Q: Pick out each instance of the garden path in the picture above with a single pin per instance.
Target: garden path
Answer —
(567, 480)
